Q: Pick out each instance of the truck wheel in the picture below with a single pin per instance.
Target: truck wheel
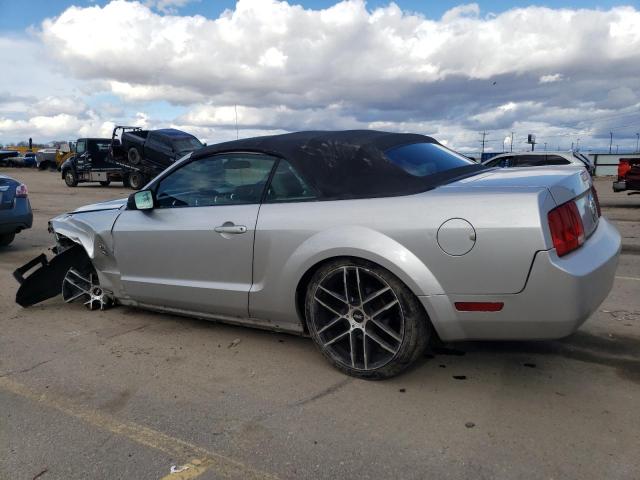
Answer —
(125, 181)
(70, 178)
(134, 156)
(136, 180)
(6, 239)
(106, 183)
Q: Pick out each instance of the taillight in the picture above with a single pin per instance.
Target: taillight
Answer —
(596, 200)
(566, 228)
(623, 168)
(21, 191)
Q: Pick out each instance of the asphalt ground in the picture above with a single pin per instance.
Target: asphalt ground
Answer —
(128, 394)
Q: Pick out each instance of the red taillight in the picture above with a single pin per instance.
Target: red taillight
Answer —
(623, 168)
(479, 306)
(596, 200)
(566, 228)
(21, 191)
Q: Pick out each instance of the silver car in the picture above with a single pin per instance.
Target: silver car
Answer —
(374, 244)
(541, 159)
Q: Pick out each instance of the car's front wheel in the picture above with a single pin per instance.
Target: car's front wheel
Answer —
(6, 239)
(70, 178)
(364, 320)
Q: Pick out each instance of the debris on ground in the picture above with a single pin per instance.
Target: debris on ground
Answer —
(469, 424)
(460, 377)
(530, 365)
(235, 342)
(402, 390)
(175, 469)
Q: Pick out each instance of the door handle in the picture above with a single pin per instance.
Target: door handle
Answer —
(233, 229)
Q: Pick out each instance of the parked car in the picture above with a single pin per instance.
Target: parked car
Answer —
(29, 160)
(4, 154)
(15, 209)
(541, 159)
(162, 147)
(46, 158)
(628, 175)
(373, 243)
(8, 158)
(89, 164)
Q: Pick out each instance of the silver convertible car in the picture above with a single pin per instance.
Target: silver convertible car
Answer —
(372, 243)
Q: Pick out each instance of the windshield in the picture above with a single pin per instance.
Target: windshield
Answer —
(423, 159)
(186, 144)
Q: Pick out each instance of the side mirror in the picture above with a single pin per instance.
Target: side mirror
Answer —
(142, 200)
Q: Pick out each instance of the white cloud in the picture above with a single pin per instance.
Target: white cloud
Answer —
(556, 77)
(289, 67)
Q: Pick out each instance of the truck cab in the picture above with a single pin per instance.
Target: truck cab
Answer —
(89, 164)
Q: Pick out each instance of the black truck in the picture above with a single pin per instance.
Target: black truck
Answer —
(143, 154)
(90, 164)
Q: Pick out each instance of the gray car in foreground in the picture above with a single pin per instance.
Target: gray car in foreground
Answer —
(372, 243)
(15, 209)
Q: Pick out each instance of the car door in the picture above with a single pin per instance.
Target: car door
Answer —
(193, 251)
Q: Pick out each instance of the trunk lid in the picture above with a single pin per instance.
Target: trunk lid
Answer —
(563, 183)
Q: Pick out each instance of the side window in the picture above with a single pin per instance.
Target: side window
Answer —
(81, 147)
(528, 160)
(502, 162)
(288, 186)
(555, 160)
(227, 179)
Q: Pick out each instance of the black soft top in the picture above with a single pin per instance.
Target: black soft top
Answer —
(345, 164)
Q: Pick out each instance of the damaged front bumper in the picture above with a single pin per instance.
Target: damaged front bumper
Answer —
(46, 281)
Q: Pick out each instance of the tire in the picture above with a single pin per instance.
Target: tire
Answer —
(347, 331)
(106, 183)
(6, 239)
(133, 154)
(125, 181)
(70, 178)
(137, 180)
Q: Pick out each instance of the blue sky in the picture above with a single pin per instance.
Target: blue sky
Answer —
(19, 15)
(493, 66)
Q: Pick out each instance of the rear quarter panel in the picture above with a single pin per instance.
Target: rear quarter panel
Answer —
(400, 234)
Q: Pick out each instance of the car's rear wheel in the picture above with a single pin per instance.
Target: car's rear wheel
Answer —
(364, 320)
(6, 239)
(70, 178)
(134, 156)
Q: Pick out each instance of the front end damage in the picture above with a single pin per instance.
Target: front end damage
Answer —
(83, 267)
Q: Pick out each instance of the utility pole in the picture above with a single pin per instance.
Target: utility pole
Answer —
(512, 142)
(545, 146)
(572, 146)
(610, 141)
(578, 145)
(484, 134)
(637, 141)
(616, 149)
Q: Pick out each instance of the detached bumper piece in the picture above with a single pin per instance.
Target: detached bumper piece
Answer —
(46, 281)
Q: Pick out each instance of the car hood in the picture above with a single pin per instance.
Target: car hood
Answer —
(96, 207)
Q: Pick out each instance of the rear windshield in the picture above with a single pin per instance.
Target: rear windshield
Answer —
(424, 159)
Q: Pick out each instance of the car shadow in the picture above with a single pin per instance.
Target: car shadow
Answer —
(619, 352)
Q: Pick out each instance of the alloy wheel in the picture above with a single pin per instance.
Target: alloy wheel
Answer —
(358, 318)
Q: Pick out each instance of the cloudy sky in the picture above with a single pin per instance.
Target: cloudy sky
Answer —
(447, 69)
